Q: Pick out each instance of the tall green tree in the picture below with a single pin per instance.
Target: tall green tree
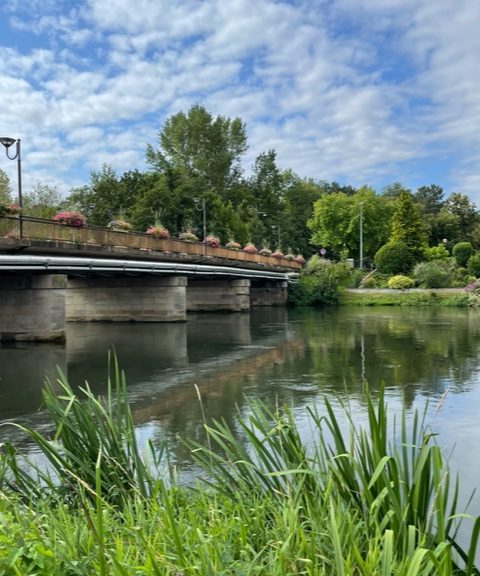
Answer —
(299, 198)
(331, 222)
(407, 226)
(335, 223)
(42, 201)
(201, 145)
(5, 188)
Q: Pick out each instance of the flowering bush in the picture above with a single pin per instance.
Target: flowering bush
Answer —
(121, 225)
(212, 241)
(70, 218)
(233, 245)
(265, 252)
(188, 236)
(277, 254)
(300, 259)
(250, 249)
(9, 209)
(158, 231)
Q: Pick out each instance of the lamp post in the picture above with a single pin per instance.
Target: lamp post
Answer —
(277, 229)
(8, 142)
(361, 235)
(201, 205)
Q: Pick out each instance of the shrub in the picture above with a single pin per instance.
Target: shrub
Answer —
(233, 245)
(319, 283)
(434, 274)
(436, 252)
(158, 231)
(70, 218)
(120, 225)
(188, 236)
(394, 258)
(473, 264)
(462, 252)
(212, 241)
(400, 282)
(369, 282)
(265, 252)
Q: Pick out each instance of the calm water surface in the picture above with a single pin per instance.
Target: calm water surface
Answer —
(278, 356)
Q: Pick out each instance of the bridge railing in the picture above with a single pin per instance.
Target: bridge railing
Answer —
(96, 236)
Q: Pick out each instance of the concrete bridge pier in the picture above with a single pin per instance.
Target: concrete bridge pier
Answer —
(218, 295)
(268, 293)
(32, 307)
(127, 299)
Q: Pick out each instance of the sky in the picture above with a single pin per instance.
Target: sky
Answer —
(361, 92)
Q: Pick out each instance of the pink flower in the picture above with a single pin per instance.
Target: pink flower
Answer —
(70, 218)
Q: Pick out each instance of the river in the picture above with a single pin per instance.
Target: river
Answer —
(275, 355)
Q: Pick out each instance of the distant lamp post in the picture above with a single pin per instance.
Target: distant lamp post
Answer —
(8, 143)
(201, 205)
(278, 230)
(361, 236)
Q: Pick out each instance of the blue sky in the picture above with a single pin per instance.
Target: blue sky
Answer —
(356, 91)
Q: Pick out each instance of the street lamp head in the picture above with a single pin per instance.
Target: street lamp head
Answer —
(7, 142)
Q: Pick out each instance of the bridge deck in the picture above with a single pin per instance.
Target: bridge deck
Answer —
(41, 236)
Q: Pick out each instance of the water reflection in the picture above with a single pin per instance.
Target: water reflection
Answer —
(275, 355)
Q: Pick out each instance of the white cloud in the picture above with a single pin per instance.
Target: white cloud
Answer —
(351, 90)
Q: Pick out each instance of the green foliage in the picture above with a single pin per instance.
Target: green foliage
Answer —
(394, 258)
(438, 252)
(201, 145)
(6, 194)
(434, 274)
(42, 201)
(400, 282)
(369, 282)
(421, 298)
(319, 283)
(473, 264)
(462, 252)
(407, 227)
(269, 503)
(336, 221)
(94, 446)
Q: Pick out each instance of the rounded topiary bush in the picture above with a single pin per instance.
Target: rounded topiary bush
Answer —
(369, 282)
(400, 282)
(462, 252)
(394, 258)
(433, 274)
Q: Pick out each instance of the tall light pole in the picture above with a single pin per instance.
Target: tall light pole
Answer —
(8, 142)
(201, 205)
(276, 228)
(361, 235)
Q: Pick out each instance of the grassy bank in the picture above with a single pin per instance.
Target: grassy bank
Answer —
(350, 504)
(375, 297)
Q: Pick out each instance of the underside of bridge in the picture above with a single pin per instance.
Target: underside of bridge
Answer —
(36, 306)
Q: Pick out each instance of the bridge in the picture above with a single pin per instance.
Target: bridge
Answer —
(51, 274)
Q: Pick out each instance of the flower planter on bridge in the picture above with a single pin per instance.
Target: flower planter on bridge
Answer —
(95, 236)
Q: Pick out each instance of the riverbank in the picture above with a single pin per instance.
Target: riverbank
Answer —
(456, 297)
(272, 505)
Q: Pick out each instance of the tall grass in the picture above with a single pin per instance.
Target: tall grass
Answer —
(373, 500)
(93, 445)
